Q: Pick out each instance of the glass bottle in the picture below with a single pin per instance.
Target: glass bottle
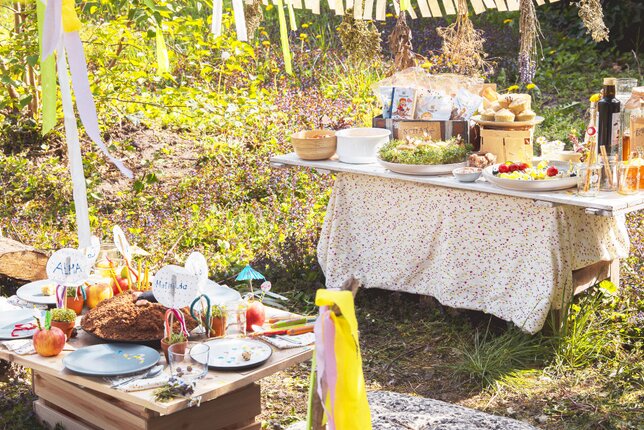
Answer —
(609, 119)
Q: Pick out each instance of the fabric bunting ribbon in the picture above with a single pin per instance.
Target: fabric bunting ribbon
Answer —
(340, 382)
(61, 293)
(168, 325)
(60, 33)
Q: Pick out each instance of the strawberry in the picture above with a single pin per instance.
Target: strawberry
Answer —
(513, 167)
(523, 166)
(504, 168)
(552, 171)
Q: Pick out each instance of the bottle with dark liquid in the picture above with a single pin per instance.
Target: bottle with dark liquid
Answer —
(609, 119)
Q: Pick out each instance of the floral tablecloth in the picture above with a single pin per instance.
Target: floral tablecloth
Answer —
(497, 254)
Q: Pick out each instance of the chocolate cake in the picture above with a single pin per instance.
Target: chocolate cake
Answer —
(126, 318)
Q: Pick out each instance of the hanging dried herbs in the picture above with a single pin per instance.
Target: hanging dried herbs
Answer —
(529, 32)
(254, 17)
(360, 39)
(592, 15)
(463, 45)
(400, 44)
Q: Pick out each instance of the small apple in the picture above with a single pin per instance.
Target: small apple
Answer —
(97, 293)
(49, 343)
(122, 283)
(255, 315)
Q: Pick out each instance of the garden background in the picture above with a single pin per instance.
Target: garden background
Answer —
(199, 138)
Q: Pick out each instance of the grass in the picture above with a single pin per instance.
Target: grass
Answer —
(199, 140)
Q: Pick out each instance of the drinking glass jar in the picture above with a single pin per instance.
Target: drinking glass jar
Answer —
(633, 125)
(628, 178)
(589, 179)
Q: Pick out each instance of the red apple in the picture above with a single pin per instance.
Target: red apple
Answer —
(255, 315)
(49, 343)
(122, 283)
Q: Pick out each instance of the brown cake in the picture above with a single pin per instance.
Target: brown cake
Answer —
(121, 318)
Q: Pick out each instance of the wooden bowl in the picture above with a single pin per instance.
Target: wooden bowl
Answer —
(314, 144)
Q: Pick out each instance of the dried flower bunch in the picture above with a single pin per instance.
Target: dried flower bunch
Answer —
(254, 16)
(592, 15)
(400, 44)
(360, 39)
(530, 32)
(463, 45)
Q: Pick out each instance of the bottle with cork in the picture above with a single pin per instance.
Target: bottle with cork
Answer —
(608, 133)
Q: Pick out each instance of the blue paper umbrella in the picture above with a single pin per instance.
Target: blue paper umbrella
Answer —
(249, 274)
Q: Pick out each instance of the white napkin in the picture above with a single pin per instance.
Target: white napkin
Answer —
(138, 384)
(26, 346)
(302, 339)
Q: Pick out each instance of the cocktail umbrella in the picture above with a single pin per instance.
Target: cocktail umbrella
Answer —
(249, 274)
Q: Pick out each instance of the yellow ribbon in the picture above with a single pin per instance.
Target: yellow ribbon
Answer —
(71, 22)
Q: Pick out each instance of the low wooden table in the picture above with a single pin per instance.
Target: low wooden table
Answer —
(229, 400)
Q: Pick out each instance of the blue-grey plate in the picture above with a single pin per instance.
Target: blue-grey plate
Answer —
(111, 359)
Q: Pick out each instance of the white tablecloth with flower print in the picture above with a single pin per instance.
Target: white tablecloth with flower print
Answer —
(497, 254)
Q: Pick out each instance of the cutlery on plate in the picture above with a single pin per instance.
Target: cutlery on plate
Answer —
(152, 372)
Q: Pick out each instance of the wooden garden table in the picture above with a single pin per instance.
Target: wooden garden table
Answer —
(229, 400)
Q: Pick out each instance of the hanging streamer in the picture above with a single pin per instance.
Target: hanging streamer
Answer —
(47, 78)
(368, 10)
(60, 30)
(435, 8)
(217, 8)
(381, 8)
(163, 61)
(240, 20)
(286, 52)
(74, 152)
(291, 15)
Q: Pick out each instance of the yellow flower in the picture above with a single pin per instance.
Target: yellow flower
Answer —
(319, 36)
(530, 86)
(507, 21)
(269, 6)
(265, 34)
(305, 25)
(303, 36)
(552, 51)
(595, 98)
(513, 88)
(426, 65)
(389, 15)
(266, 43)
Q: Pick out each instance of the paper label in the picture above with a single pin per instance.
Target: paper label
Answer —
(91, 252)
(68, 267)
(175, 287)
(637, 134)
(419, 128)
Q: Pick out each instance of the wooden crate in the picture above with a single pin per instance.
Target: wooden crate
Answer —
(80, 408)
(508, 144)
(439, 130)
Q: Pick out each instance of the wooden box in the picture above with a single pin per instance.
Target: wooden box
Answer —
(438, 130)
(508, 144)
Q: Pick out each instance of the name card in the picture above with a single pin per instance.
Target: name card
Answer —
(197, 265)
(175, 287)
(68, 267)
(122, 244)
(91, 252)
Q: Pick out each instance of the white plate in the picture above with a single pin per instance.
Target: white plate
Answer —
(421, 169)
(31, 293)
(220, 294)
(541, 185)
(8, 320)
(226, 354)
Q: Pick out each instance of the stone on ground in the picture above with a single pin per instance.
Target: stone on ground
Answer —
(393, 411)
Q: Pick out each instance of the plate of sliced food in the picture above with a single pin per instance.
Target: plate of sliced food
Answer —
(543, 176)
(423, 156)
(41, 292)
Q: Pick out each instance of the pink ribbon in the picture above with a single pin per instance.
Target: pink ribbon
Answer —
(61, 292)
(182, 322)
(72, 45)
(327, 372)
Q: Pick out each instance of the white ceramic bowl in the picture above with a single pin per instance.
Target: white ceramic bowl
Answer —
(360, 145)
(467, 174)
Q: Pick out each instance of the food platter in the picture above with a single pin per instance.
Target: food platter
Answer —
(112, 359)
(421, 169)
(32, 293)
(537, 120)
(539, 185)
(9, 319)
(226, 354)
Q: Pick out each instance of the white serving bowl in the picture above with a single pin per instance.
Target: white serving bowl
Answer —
(360, 145)
(467, 174)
